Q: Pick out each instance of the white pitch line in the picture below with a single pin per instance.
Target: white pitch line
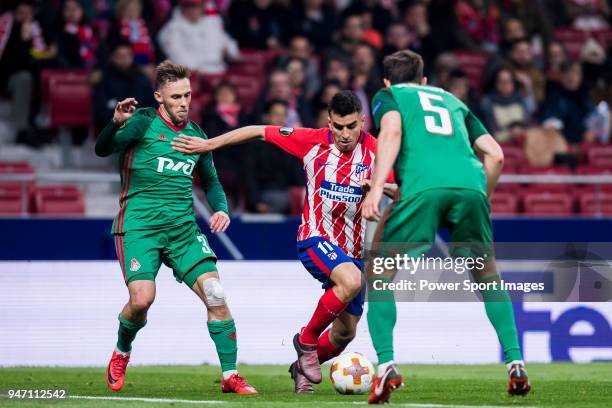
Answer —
(137, 399)
(415, 405)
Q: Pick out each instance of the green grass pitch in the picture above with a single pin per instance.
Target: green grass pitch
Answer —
(428, 386)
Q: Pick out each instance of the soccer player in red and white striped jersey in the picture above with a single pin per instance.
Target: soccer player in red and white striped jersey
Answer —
(336, 160)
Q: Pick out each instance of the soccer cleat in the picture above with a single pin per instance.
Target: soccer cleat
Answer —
(238, 385)
(302, 385)
(384, 385)
(519, 382)
(308, 360)
(115, 372)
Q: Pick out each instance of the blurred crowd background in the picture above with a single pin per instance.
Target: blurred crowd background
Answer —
(538, 73)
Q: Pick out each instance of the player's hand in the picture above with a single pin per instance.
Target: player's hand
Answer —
(369, 208)
(365, 185)
(124, 110)
(219, 222)
(192, 145)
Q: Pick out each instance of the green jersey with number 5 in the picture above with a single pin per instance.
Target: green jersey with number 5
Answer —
(438, 131)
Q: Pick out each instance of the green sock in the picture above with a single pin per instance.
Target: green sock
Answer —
(223, 334)
(127, 334)
(498, 306)
(382, 315)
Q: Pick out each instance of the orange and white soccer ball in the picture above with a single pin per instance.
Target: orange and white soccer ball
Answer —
(352, 373)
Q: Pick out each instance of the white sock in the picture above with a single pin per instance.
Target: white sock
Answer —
(510, 364)
(122, 352)
(383, 367)
(227, 374)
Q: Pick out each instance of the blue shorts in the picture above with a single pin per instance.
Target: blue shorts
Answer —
(320, 257)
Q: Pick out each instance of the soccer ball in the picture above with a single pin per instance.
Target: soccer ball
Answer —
(352, 373)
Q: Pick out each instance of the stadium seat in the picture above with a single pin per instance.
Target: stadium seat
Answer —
(473, 63)
(603, 37)
(251, 63)
(572, 40)
(513, 157)
(12, 201)
(58, 200)
(595, 204)
(70, 102)
(16, 167)
(600, 156)
(504, 203)
(248, 90)
(548, 187)
(547, 203)
(296, 200)
(46, 75)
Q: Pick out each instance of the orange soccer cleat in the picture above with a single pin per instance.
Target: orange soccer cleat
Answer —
(238, 385)
(115, 372)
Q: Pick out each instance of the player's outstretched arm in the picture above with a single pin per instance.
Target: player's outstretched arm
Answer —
(493, 160)
(194, 145)
(387, 149)
(106, 139)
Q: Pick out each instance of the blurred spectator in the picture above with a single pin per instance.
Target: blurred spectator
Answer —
(445, 64)
(588, 14)
(21, 45)
(381, 13)
(196, 40)
(269, 171)
(295, 67)
(338, 69)
(299, 47)
(120, 79)
(416, 20)
(350, 35)
(513, 30)
(75, 40)
(256, 23)
(397, 38)
(479, 20)
(223, 115)
(130, 26)
(370, 34)
(504, 110)
(530, 77)
(366, 78)
(321, 118)
(555, 56)
(279, 88)
(568, 104)
(532, 18)
(324, 96)
(314, 20)
(459, 85)
(593, 59)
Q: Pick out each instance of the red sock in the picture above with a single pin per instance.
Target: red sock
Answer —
(326, 350)
(327, 310)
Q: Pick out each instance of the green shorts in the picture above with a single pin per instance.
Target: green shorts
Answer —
(183, 248)
(416, 219)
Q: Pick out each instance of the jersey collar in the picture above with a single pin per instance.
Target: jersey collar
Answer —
(172, 125)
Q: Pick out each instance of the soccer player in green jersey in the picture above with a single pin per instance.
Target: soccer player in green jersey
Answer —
(433, 140)
(156, 222)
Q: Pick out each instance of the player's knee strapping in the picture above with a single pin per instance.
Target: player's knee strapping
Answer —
(213, 291)
(498, 306)
(127, 333)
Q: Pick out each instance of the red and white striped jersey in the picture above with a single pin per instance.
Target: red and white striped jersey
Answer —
(332, 206)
